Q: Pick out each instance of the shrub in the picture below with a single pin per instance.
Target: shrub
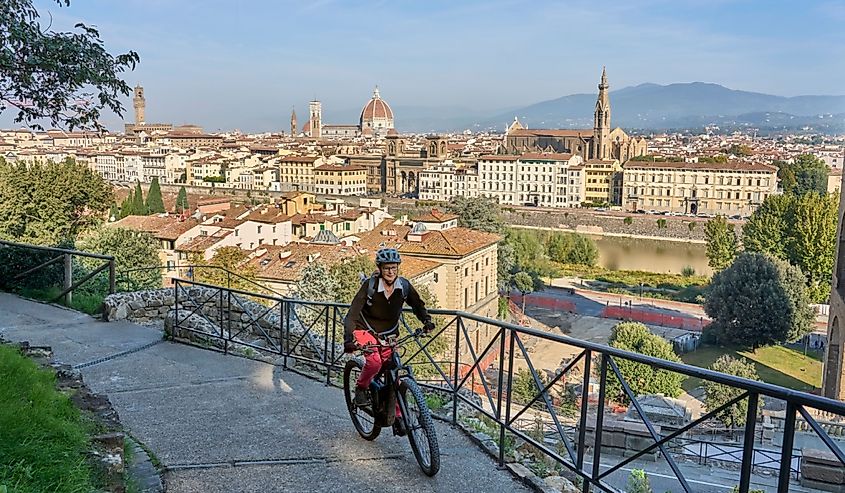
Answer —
(628, 221)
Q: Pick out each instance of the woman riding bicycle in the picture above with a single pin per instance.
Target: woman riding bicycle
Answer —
(375, 310)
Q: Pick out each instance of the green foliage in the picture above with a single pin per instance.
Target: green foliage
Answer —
(481, 213)
(800, 229)
(721, 243)
(523, 282)
(758, 301)
(131, 249)
(688, 271)
(50, 203)
(66, 78)
(126, 206)
(139, 208)
(571, 248)
(346, 276)
(505, 264)
(182, 201)
(806, 173)
(155, 204)
(435, 401)
(661, 223)
(716, 394)
(214, 179)
(741, 150)
(736, 490)
(44, 441)
(691, 226)
(718, 158)
(17, 260)
(642, 378)
(232, 259)
(638, 482)
(523, 387)
(628, 220)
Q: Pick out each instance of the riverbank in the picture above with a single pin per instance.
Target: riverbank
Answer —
(598, 231)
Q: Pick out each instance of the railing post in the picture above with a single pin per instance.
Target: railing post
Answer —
(282, 327)
(748, 444)
(585, 401)
(455, 370)
(68, 278)
(510, 385)
(175, 306)
(599, 421)
(499, 397)
(786, 448)
(222, 335)
(112, 282)
(326, 344)
(286, 337)
(331, 359)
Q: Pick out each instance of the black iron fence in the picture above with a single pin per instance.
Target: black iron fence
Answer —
(476, 361)
(53, 272)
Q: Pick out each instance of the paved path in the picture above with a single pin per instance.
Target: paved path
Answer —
(222, 423)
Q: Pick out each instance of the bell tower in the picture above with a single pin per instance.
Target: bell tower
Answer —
(601, 121)
(293, 131)
(139, 103)
(316, 110)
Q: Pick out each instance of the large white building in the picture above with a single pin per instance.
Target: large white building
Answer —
(446, 180)
(541, 179)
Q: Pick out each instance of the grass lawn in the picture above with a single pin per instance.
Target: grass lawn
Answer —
(83, 302)
(777, 365)
(43, 438)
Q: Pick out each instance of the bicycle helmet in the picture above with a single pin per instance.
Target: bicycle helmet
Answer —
(388, 256)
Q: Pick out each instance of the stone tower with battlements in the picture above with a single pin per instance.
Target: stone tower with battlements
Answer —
(833, 380)
(601, 121)
(293, 131)
(140, 104)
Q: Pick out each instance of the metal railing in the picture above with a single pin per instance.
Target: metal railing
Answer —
(480, 376)
(25, 262)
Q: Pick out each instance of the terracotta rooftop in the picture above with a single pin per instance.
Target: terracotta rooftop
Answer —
(435, 216)
(285, 263)
(150, 224)
(545, 156)
(270, 215)
(338, 167)
(202, 243)
(552, 132)
(452, 242)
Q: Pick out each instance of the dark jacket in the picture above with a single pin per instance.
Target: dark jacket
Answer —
(382, 314)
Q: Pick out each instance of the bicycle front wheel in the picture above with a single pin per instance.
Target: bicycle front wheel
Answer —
(363, 418)
(420, 427)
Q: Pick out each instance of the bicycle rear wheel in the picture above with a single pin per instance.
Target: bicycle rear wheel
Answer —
(420, 427)
(362, 417)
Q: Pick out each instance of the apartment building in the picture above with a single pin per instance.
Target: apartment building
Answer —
(733, 188)
(297, 172)
(443, 181)
(539, 179)
(602, 181)
(332, 179)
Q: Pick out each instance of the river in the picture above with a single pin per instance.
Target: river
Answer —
(621, 253)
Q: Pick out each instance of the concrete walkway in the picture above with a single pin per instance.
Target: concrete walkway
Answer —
(223, 423)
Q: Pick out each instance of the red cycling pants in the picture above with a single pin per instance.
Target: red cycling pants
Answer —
(374, 358)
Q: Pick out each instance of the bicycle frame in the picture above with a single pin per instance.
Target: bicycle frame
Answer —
(392, 374)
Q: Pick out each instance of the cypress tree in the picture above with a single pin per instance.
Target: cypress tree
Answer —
(182, 201)
(138, 206)
(155, 204)
(126, 205)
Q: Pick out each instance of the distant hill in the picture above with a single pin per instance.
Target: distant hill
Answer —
(683, 105)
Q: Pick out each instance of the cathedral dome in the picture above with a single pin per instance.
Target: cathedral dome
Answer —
(377, 113)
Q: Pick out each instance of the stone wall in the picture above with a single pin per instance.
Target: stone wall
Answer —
(821, 470)
(230, 323)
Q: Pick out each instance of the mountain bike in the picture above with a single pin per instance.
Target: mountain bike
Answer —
(394, 384)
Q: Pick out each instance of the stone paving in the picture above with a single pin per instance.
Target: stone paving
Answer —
(221, 423)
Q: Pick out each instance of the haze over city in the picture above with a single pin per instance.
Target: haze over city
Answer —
(227, 66)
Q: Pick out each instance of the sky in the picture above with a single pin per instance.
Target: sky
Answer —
(244, 65)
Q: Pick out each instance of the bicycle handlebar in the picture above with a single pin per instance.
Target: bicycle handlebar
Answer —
(395, 342)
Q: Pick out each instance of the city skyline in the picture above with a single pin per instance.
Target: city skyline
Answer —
(226, 68)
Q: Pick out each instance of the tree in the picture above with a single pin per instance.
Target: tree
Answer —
(230, 269)
(766, 229)
(126, 206)
(131, 249)
(571, 248)
(504, 266)
(800, 229)
(806, 173)
(638, 482)
(717, 394)
(758, 301)
(346, 276)
(642, 378)
(67, 78)
(523, 387)
(721, 242)
(155, 204)
(50, 203)
(317, 283)
(139, 208)
(182, 201)
(481, 213)
(524, 283)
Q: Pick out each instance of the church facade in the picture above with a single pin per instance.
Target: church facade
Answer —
(601, 142)
(376, 120)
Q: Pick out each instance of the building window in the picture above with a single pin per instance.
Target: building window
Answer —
(466, 297)
(466, 271)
